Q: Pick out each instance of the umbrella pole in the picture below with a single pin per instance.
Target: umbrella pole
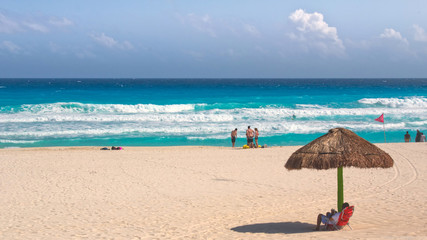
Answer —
(340, 189)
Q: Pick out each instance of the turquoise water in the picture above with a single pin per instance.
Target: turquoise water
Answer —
(175, 112)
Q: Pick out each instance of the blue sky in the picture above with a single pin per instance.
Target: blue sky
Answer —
(213, 39)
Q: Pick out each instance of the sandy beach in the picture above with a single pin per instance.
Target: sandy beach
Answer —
(203, 193)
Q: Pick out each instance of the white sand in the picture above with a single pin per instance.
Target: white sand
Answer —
(202, 193)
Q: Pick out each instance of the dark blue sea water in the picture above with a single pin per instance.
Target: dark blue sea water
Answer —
(174, 112)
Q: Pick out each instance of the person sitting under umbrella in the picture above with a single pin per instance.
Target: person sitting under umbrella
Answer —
(330, 217)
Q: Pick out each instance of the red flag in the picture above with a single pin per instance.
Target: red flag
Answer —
(380, 119)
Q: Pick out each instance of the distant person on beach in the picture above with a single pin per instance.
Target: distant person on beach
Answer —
(256, 137)
(407, 137)
(233, 136)
(330, 217)
(418, 136)
(423, 137)
(250, 137)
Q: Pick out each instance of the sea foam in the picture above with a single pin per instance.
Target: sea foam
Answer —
(408, 102)
(76, 107)
(28, 123)
(186, 113)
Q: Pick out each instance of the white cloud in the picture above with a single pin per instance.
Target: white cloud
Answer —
(7, 25)
(104, 40)
(36, 27)
(111, 42)
(390, 33)
(10, 46)
(420, 34)
(127, 45)
(314, 32)
(216, 26)
(201, 23)
(251, 29)
(25, 23)
(64, 22)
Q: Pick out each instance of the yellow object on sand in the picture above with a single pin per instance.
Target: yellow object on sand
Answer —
(245, 146)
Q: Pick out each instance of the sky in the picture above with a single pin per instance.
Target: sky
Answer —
(213, 39)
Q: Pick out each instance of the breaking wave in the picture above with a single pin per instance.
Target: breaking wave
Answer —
(408, 102)
(16, 141)
(207, 130)
(187, 114)
(76, 107)
(29, 123)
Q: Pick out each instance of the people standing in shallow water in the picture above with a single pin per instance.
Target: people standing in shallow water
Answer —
(250, 137)
(407, 137)
(418, 136)
(256, 137)
(233, 136)
(423, 137)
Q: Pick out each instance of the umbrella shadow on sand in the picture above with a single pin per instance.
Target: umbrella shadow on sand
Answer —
(280, 227)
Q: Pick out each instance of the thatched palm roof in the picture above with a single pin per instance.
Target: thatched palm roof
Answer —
(339, 148)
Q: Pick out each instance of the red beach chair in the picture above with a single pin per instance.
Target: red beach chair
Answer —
(343, 220)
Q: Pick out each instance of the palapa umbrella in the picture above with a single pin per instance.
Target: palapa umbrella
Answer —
(339, 148)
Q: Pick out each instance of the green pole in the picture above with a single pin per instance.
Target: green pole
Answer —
(340, 189)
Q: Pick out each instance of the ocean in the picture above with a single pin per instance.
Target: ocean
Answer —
(178, 112)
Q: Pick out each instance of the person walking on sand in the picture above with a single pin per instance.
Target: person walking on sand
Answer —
(256, 137)
(407, 137)
(250, 137)
(233, 136)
